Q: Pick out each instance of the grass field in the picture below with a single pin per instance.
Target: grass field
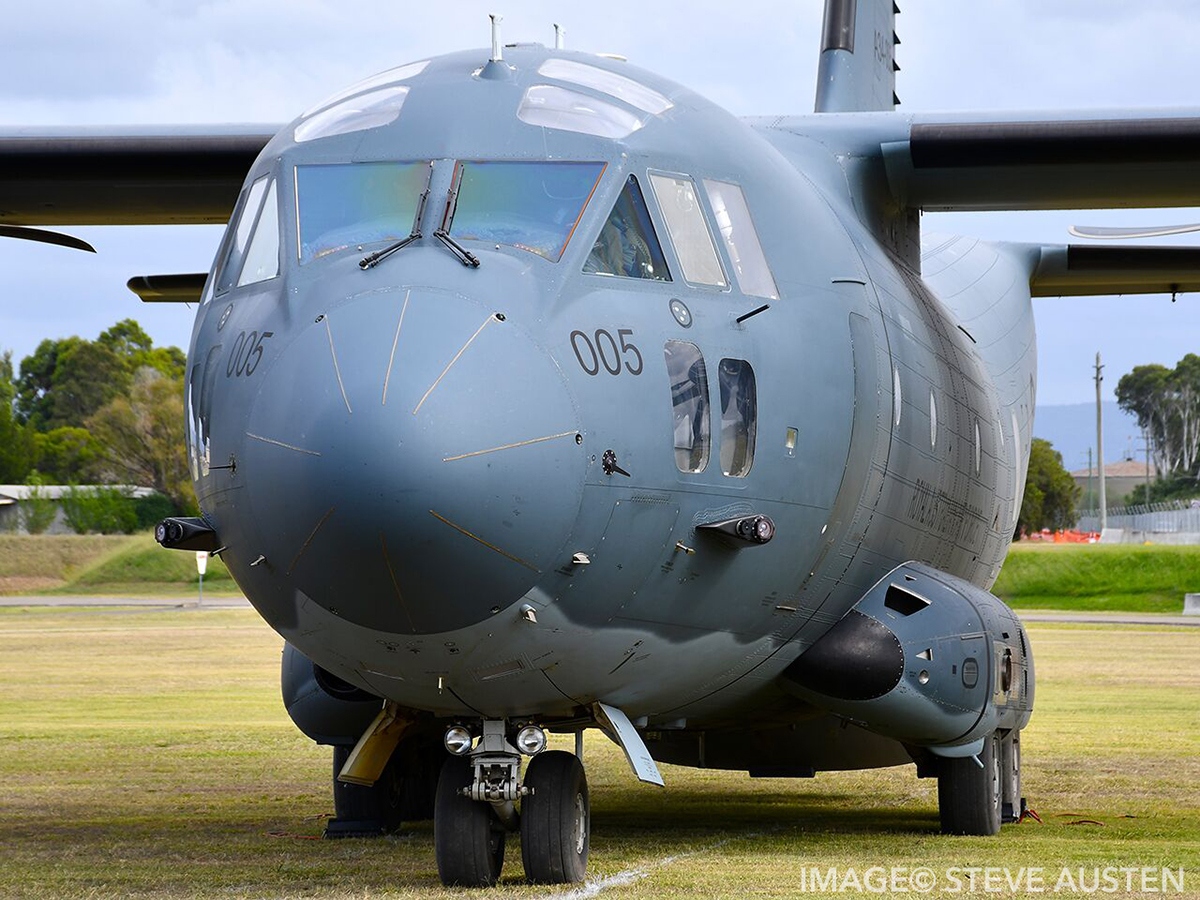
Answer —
(102, 564)
(1111, 577)
(148, 754)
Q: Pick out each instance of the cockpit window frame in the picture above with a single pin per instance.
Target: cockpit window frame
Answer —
(659, 216)
(267, 179)
(654, 242)
(296, 219)
(449, 220)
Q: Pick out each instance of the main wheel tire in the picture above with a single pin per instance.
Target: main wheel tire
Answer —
(468, 840)
(419, 761)
(555, 819)
(969, 797)
(362, 809)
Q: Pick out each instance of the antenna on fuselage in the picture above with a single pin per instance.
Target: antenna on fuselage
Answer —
(497, 47)
(560, 34)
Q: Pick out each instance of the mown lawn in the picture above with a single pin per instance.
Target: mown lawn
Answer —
(1116, 577)
(147, 754)
(131, 565)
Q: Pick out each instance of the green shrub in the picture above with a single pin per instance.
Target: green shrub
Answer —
(102, 510)
(152, 510)
(38, 510)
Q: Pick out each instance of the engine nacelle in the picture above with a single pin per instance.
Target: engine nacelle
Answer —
(924, 657)
(323, 706)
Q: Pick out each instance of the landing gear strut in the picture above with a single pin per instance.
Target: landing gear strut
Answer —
(476, 806)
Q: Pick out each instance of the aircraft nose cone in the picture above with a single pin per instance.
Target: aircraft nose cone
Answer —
(412, 461)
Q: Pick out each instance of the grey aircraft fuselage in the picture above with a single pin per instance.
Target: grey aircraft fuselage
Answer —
(405, 463)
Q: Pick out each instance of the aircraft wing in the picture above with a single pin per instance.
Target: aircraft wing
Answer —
(1010, 161)
(158, 175)
(1042, 161)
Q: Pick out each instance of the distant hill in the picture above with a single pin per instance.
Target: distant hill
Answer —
(1071, 428)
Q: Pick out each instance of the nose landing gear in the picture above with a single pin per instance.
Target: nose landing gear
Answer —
(475, 808)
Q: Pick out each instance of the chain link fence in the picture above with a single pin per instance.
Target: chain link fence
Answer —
(1168, 517)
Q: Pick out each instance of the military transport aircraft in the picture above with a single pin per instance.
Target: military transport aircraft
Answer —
(530, 391)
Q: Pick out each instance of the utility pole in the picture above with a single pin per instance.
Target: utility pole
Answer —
(1146, 438)
(1091, 481)
(1100, 444)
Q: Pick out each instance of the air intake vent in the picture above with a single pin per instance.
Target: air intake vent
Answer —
(902, 601)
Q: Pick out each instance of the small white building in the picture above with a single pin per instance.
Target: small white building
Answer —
(13, 495)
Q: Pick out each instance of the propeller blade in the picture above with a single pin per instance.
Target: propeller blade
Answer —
(1097, 233)
(21, 232)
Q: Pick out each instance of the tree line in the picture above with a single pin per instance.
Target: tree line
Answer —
(1167, 405)
(103, 411)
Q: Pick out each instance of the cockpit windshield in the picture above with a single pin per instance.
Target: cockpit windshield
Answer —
(353, 204)
(534, 206)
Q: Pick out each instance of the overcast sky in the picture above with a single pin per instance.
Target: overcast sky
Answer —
(74, 62)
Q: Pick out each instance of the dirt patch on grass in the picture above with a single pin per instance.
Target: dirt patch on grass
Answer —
(55, 556)
(27, 584)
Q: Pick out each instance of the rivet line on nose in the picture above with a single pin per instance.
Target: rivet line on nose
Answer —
(309, 540)
(490, 546)
(336, 368)
(462, 350)
(538, 440)
(395, 340)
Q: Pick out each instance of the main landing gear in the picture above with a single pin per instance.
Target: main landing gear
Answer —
(976, 794)
(404, 792)
(476, 808)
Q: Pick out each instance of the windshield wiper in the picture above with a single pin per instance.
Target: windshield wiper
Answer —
(442, 233)
(373, 259)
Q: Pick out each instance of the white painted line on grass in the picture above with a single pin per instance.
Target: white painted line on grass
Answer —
(594, 886)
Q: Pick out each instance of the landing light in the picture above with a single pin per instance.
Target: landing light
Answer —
(531, 740)
(457, 740)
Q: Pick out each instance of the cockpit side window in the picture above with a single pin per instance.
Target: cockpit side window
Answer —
(739, 416)
(262, 259)
(689, 404)
(245, 218)
(741, 239)
(688, 230)
(627, 245)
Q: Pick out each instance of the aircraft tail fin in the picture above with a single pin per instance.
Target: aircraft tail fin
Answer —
(857, 71)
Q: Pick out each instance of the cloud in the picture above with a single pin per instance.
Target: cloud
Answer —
(72, 62)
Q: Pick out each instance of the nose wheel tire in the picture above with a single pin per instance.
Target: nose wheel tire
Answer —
(468, 839)
(969, 797)
(555, 819)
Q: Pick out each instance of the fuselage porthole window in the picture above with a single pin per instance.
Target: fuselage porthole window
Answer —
(628, 246)
(978, 448)
(687, 229)
(241, 227)
(741, 239)
(689, 404)
(739, 416)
